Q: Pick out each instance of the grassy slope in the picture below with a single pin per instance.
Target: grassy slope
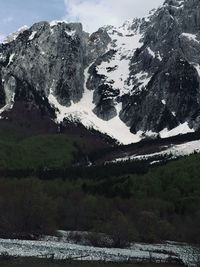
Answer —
(19, 150)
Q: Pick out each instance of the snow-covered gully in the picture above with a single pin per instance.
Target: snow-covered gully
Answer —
(184, 253)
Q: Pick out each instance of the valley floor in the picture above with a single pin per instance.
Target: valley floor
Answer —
(159, 253)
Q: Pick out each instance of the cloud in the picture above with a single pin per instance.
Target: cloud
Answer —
(96, 13)
(2, 37)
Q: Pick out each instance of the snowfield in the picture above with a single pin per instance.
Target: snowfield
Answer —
(115, 128)
(61, 250)
(125, 41)
(83, 112)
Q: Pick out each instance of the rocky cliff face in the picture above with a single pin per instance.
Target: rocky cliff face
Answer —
(170, 59)
(46, 57)
(138, 79)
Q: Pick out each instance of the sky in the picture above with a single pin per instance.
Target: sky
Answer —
(92, 13)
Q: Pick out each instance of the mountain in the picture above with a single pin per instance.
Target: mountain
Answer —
(129, 82)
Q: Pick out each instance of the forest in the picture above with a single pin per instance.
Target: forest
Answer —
(145, 203)
(46, 185)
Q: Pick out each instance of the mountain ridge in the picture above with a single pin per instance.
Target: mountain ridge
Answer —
(129, 82)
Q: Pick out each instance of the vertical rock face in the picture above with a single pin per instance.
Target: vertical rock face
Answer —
(144, 73)
(47, 57)
(97, 44)
(170, 57)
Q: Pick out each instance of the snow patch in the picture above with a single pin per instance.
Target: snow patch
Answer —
(32, 36)
(191, 37)
(56, 22)
(159, 56)
(70, 33)
(197, 67)
(151, 52)
(11, 58)
(10, 102)
(181, 129)
(185, 149)
(174, 113)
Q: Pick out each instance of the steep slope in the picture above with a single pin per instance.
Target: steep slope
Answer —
(43, 57)
(137, 80)
(170, 55)
(155, 76)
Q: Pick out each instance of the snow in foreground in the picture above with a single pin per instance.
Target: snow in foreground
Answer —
(62, 250)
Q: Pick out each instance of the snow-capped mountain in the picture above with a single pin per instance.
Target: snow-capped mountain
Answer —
(132, 81)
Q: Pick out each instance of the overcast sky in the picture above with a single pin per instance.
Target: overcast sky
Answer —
(92, 13)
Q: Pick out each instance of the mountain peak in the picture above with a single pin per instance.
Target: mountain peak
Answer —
(135, 80)
(176, 3)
